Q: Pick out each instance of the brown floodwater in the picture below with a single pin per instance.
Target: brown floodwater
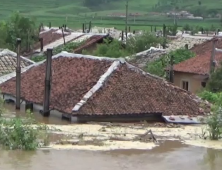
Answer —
(37, 116)
(170, 155)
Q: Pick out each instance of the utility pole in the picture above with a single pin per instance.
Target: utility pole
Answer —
(126, 26)
(48, 75)
(212, 56)
(18, 74)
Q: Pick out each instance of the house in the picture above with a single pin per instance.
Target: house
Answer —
(91, 43)
(53, 38)
(90, 88)
(193, 74)
(8, 61)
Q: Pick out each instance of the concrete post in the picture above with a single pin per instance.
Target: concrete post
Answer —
(46, 111)
(18, 75)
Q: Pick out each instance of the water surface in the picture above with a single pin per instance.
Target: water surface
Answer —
(169, 156)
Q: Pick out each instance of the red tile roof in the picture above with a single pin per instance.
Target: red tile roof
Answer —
(200, 64)
(48, 37)
(89, 42)
(127, 90)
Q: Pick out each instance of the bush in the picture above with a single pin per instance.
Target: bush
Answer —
(209, 96)
(143, 42)
(18, 133)
(215, 82)
(214, 123)
(157, 67)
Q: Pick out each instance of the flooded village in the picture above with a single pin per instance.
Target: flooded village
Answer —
(111, 110)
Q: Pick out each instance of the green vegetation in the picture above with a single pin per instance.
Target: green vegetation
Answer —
(157, 67)
(213, 94)
(69, 47)
(75, 12)
(134, 45)
(17, 26)
(214, 120)
(22, 133)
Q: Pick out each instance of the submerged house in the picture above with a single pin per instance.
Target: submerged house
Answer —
(193, 74)
(8, 64)
(89, 88)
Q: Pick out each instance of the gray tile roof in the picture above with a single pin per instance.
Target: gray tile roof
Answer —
(8, 62)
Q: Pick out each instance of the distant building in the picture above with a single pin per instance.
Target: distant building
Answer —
(193, 74)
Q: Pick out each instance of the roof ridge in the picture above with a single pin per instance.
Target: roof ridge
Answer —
(5, 52)
(97, 86)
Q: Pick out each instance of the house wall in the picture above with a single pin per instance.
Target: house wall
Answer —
(37, 108)
(194, 81)
(156, 117)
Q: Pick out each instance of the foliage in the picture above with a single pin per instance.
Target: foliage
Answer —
(69, 47)
(214, 121)
(143, 42)
(18, 133)
(173, 30)
(113, 49)
(209, 96)
(134, 45)
(38, 58)
(157, 67)
(215, 82)
(18, 26)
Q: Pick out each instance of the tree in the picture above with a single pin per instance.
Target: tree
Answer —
(199, 3)
(157, 67)
(3, 35)
(215, 82)
(20, 27)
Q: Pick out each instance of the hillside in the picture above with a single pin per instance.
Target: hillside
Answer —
(74, 12)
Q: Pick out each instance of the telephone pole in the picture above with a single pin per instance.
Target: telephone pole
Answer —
(126, 25)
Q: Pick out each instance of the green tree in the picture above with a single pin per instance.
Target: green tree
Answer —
(20, 27)
(215, 82)
(3, 35)
(158, 66)
(143, 42)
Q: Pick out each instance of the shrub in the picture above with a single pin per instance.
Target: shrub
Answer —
(20, 133)
(209, 96)
(157, 67)
(214, 123)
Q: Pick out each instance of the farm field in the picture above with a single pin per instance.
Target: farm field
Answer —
(74, 12)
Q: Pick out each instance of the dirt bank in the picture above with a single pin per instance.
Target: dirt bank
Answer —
(127, 136)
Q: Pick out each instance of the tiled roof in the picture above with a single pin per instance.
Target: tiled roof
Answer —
(200, 64)
(8, 62)
(86, 85)
(49, 36)
(92, 40)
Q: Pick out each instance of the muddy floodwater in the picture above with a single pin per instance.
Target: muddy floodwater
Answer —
(169, 155)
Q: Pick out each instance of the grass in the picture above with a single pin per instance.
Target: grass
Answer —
(73, 13)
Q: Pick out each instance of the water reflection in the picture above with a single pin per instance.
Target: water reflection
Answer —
(212, 158)
(47, 120)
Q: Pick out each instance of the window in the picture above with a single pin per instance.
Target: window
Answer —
(185, 85)
(203, 84)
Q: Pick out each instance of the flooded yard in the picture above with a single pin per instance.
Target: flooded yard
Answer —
(170, 155)
(109, 146)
